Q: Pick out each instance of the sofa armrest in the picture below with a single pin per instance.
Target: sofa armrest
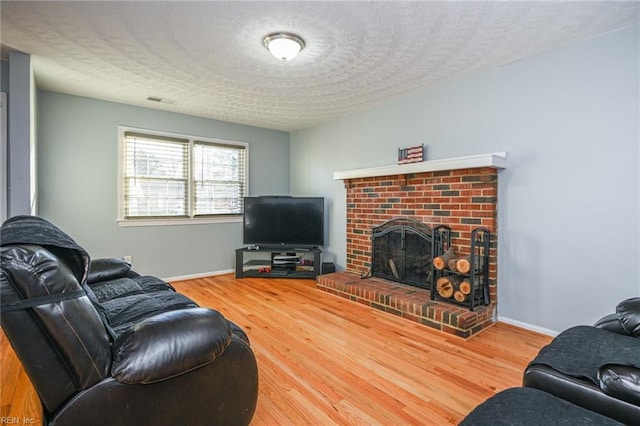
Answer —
(107, 269)
(628, 312)
(626, 319)
(169, 344)
(611, 323)
(621, 382)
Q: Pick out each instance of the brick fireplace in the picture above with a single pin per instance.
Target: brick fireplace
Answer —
(460, 193)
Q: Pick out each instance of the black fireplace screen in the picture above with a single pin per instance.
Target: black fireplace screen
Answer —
(401, 251)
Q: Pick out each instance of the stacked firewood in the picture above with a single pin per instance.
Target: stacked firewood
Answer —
(454, 285)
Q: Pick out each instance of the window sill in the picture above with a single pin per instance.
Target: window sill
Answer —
(181, 221)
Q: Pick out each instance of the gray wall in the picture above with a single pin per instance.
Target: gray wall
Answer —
(21, 140)
(4, 88)
(569, 240)
(78, 148)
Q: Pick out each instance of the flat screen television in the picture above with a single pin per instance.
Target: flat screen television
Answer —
(296, 222)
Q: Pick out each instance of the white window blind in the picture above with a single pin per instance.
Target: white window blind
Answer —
(174, 177)
(219, 178)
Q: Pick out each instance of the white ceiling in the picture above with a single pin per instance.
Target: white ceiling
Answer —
(208, 56)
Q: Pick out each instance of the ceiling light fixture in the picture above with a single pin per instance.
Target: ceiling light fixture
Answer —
(284, 46)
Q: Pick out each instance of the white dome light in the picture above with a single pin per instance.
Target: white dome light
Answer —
(284, 46)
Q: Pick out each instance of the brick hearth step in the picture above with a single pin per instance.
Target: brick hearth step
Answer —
(408, 302)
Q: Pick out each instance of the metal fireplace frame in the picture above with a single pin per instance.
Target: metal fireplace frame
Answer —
(403, 225)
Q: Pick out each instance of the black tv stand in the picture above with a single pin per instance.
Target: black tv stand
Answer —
(278, 262)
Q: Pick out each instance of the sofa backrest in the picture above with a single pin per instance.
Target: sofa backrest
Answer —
(61, 340)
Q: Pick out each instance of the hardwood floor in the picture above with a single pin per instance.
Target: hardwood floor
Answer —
(326, 360)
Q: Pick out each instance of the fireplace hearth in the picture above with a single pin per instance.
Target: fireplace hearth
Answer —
(408, 302)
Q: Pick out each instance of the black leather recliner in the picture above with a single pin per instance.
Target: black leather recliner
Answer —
(595, 367)
(104, 346)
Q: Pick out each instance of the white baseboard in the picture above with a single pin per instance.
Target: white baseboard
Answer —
(201, 275)
(528, 326)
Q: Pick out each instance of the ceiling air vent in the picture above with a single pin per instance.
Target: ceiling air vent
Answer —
(161, 100)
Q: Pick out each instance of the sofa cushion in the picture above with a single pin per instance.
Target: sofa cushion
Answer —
(128, 286)
(124, 312)
(107, 269)
(169, 344)
(115, 288)
(151, 284)
(528, 406)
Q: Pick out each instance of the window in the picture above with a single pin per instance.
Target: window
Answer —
(165, 176)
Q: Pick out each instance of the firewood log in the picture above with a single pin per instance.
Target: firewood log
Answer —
(394, 270)
(441, 262)
(463, 264)
(451, 264)
(465, 287)
(460, 296)
(446, 286)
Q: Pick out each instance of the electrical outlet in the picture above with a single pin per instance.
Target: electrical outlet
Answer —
(127, 258)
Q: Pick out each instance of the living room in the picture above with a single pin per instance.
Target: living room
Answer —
(568, 199)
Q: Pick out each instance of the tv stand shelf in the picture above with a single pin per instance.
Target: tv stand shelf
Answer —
(278, 262)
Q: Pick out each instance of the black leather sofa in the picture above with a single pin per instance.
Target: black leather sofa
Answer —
(103, 345)
(595, 367)
(585, 375)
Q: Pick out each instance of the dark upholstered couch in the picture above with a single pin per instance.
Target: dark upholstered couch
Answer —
(595, 367)
(103, 345)
(586, 375)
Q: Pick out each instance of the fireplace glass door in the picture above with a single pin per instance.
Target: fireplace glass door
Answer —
(402, 252)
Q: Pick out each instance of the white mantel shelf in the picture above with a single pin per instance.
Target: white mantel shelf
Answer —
(497, 160)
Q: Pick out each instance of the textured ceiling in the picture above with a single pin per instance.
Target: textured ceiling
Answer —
(208, 56)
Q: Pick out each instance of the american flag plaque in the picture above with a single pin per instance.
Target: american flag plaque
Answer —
(414, 154)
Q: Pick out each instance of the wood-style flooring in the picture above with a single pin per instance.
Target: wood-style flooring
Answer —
(325, 360)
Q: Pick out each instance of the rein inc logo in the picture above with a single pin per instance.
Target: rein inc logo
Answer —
(17, 420)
